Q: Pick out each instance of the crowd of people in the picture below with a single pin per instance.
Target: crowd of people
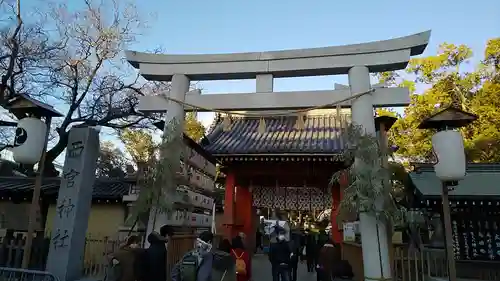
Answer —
(132, 263)
(230, 261)
(319, 252)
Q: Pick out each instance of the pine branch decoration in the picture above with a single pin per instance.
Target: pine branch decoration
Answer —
(369, 184)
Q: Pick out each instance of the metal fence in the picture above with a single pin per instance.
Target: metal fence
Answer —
(16, 274)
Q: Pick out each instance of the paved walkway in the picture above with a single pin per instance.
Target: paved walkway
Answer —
(261, 270)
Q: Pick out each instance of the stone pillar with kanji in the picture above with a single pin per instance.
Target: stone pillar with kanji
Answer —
(67, 243)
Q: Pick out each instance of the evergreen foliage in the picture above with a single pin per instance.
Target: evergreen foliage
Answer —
(369, 184)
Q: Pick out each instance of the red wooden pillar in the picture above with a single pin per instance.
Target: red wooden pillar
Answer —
(229, 198)
(337, 234)
(244, 212)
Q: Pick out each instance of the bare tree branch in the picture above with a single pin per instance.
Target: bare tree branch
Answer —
(73, 60)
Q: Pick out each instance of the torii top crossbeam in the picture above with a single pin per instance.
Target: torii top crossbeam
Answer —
(379, 56)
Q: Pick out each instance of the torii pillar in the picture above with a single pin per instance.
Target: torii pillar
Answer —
(179, 88)
(375, 247)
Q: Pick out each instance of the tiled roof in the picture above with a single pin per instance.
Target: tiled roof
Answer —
(37, 107)
(103, 188)
(321, 135)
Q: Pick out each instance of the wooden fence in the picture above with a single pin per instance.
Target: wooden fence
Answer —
(97, 252)
(412, 265)
(177, 248)
(419, 265)
(12, 250)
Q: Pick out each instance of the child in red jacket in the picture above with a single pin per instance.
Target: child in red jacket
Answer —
(242, 257)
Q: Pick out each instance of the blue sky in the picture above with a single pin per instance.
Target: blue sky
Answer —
(220, 26)
(223, 26)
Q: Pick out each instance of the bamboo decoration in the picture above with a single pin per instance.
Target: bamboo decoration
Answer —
(226, 123)
(262, 125)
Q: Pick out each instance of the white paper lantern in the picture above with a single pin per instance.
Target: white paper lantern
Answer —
(29, 141)
(449, 149)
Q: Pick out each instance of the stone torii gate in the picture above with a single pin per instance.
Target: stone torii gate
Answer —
(358, 61)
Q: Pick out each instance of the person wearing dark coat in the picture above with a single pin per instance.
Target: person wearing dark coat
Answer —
(157, 254)
(311, 247)
(295, 247)
(225, 246)
(322, 239)
(331, 265)
(258, 241)
(280, 258)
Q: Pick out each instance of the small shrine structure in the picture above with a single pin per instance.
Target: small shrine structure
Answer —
(475, 216)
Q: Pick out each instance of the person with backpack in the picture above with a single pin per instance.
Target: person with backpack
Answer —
(204, 263)
(242, 258)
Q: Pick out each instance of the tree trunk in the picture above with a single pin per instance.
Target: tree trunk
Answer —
(53, 153)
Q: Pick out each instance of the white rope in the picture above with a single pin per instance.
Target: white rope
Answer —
(282, 113)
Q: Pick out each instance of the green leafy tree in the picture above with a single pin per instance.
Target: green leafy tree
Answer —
(111, 162)
(445, 82)
(161, 177)
(193, 128)
(139, 144)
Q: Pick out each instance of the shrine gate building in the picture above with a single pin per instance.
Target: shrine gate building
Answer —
(281, 157)
(283, 168)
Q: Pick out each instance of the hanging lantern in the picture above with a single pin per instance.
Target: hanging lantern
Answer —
(449, 150)
(29, 141)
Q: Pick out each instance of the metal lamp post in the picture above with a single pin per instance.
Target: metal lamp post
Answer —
(451, 164)
(22, 107)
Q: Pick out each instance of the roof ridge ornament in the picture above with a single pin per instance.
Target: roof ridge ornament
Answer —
(300, 124)
(226, 123)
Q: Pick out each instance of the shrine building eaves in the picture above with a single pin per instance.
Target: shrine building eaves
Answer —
(321, 136)
(378, 56)
(104, 189)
